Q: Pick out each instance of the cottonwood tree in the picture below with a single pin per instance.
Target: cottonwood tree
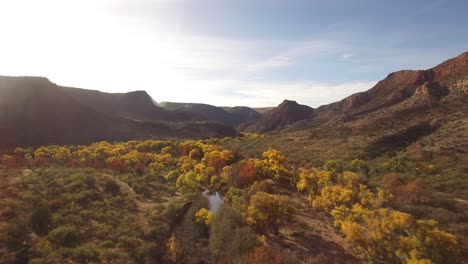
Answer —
(269, 211)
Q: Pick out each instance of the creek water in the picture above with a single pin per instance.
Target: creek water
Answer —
(214, 200)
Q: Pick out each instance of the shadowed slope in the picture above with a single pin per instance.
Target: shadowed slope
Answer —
(34, 111)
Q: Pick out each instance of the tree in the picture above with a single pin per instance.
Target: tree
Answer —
(312, 180)
(332, 196)
(271, 167)
(41, 219)
(274, 157)
(359, 166)
(117, 151)
(376, 232)
(204, 216)
(265, 255)
(384, 234)
(226, 175)
(84, 155)
(166, 159)
(188, 179)
(392, 183)
(117, 164)
(111, 187)
(217, 160)
(269, 211)
(41, 156)
(404, 193)
(195, 154)
(429, 242)
(156, 167)
(172, 175)
(334, 166)
(167, 150)
(413, 190)
(247, 172)
(186, 164)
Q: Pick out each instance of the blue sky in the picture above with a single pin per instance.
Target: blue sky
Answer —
(229, 52)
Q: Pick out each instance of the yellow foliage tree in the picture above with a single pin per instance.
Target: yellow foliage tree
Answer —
(62, 154)
(269, 211)
(204, 216)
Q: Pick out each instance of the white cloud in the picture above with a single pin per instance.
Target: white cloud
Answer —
(258, 94)
(347, 56)
(291, 52)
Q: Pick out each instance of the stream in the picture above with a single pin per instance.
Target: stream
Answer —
(214, 200)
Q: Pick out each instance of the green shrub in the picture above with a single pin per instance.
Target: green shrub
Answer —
(65, 235)
(16, 234)
(85, 253)
(230, 238)
(107, 244)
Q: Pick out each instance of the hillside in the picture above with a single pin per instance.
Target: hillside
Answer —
(430, 85)
(400, 86)
(400, 111)
(244, 114)
(413, 124)
(34, 111)
(137, 105)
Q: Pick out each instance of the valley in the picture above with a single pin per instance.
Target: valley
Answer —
(378, 177)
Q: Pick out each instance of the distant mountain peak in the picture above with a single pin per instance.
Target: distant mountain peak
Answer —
(288, 103)
(286, 113)
(139, 96)
(139, 92)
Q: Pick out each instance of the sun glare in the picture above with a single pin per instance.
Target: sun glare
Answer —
(79, 43)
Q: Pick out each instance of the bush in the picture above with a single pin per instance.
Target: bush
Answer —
(65, 235)
(230, 239)
(85, 253)
(16, 234)
(107, 244)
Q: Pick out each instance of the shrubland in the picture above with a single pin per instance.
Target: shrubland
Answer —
(143, 202)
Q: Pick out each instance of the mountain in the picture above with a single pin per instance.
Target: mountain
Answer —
(226, 115)
(288, 112)
(399, 86)
(137, 105)
(396, 88)
(34, 111)
(418, 113)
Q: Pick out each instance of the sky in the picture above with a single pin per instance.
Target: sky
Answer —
(228, 52)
